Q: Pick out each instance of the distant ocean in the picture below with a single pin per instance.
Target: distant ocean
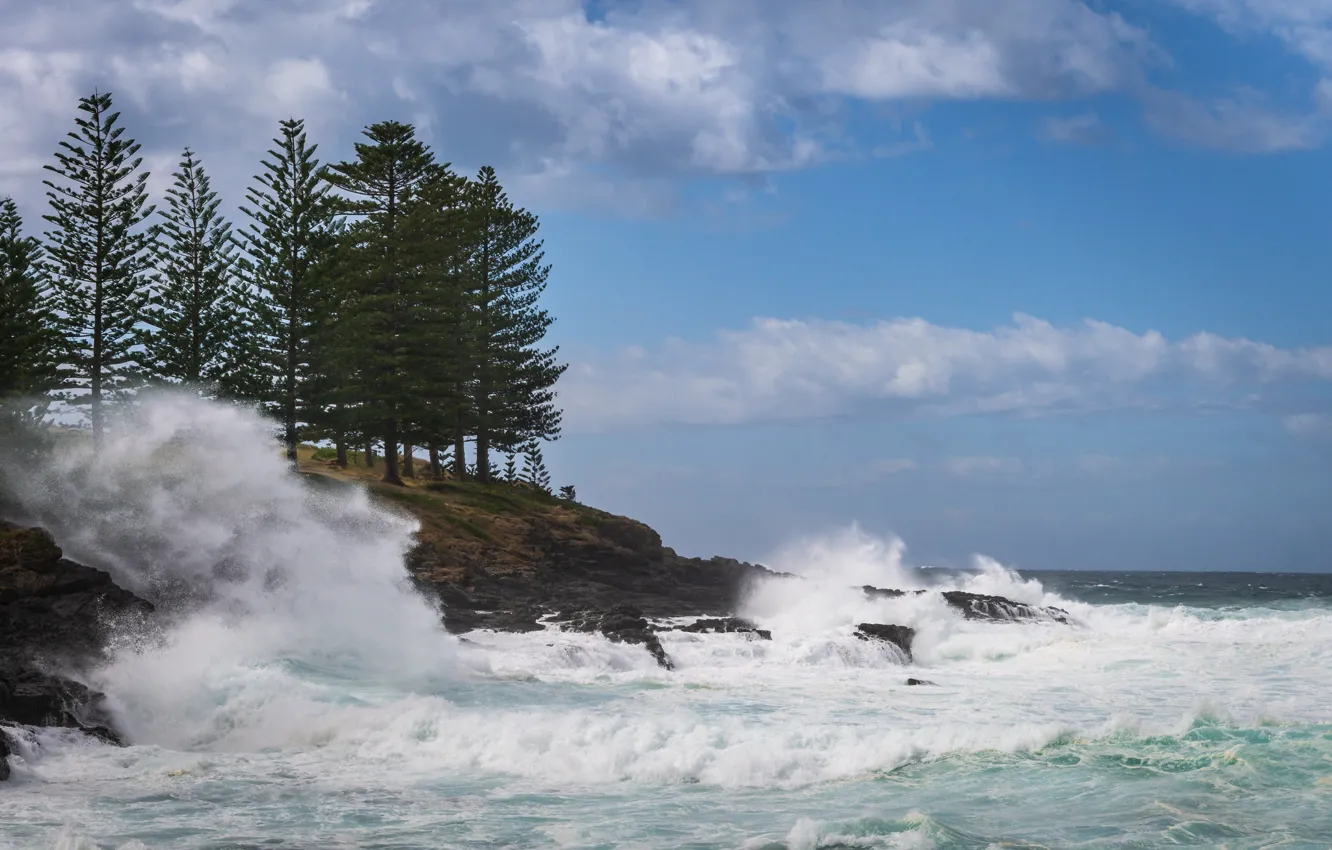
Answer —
(319, 706)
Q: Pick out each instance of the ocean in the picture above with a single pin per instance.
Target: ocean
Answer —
(316, 703)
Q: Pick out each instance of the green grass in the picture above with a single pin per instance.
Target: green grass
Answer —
(434, 507)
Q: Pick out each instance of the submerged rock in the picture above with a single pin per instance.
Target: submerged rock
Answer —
(978, 606)
(34, 698)
(55, 615)
(899, 636)
(622, 624)
(726, 625)
(886, 593)
(913, 682)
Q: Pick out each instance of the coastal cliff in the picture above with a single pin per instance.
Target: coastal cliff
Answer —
(496, 556)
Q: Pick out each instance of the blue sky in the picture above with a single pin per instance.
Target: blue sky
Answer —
(1048, 280)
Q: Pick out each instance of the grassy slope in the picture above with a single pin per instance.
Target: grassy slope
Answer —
(501, 526)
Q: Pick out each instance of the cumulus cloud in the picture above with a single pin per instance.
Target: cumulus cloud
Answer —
(777, 370)
(1304, 25)
(1309, 424)
(1098, 464)
(573, 101)
(1083, 129)
(983, 465)
(886, 466)
(1243, 123)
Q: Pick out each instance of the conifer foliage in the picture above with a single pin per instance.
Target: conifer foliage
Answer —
(534, 467)
(197, 309)
(99, 256)
(290, 245)
(389, 336)
(514, 399)
(381, 301)
(30, 339)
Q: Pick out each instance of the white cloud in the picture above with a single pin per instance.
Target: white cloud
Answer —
(885, 466)
(983, 465)
(1309, 424)
(572, 106)
(645, 91)
(1304, 25)
(905, 62)
(1083, 129)
(1096, 464)
(1243, 123)
(790, 369)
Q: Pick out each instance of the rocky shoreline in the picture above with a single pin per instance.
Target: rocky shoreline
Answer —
(612, 576)
(55, 618)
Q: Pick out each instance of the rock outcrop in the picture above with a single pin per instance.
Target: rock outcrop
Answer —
(55, 616)
(979, 606)
(622, 624)
(899, 636)
(726, 625)
(505, 568)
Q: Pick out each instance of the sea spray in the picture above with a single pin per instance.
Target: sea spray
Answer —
(190, 504)
(815, 615)
(305, 695)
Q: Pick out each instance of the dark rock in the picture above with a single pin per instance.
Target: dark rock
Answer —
(34, 698)
(4, 754)
(978, 606)
(726, 625)
(914, 682)
(622, 624)
(883, 593)
(899, 636)
(590, 564)
(55, 615)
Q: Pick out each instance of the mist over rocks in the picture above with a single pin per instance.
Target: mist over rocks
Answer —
(55, 619)
(203, 540)
(979, 606)
(726, 625)
(898, 636)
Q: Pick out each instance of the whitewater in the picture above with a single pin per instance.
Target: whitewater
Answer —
(304, 695)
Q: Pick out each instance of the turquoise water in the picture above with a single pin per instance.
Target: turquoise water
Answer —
(311, 699)
(1142, 726)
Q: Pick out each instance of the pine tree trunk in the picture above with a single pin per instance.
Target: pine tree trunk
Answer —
(459, 450)
(289, 390)
(369, 454)
(435, 471)
(391, 475)
(483, 455)
(408, 462)
(341, 442)
(95, 385)
(96, 413)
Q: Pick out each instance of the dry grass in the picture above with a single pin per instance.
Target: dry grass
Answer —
(466, 523)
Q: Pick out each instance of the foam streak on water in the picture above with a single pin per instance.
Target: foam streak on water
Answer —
(309, 698)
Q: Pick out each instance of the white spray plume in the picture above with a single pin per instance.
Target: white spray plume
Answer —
(189, 502)
(828, 602)
(833, 567)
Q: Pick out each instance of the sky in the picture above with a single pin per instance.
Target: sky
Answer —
(1048, 280)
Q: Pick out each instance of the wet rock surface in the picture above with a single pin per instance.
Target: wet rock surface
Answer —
(725, 625)
(979, 606)
(622, 624)
(55, 616)
(899, 636)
